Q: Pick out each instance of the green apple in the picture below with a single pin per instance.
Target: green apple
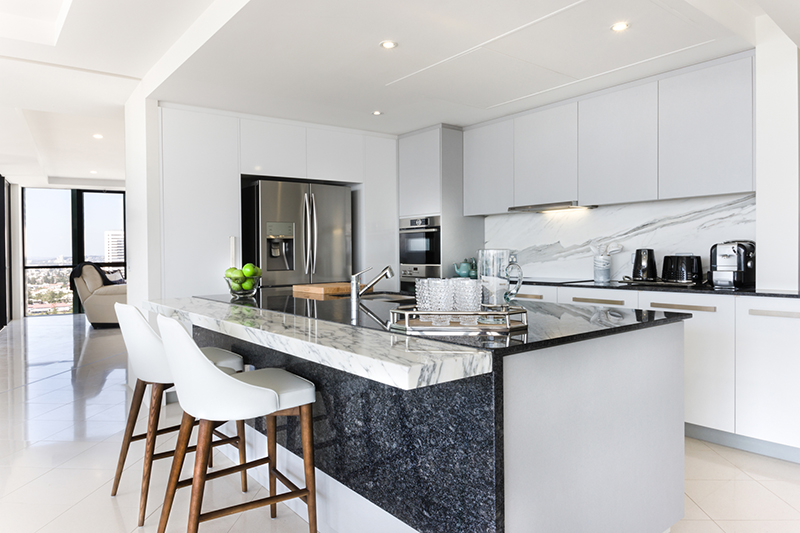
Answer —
(235, 286)
(247, 285)
(258, 272)
(249, 270)
(229, 272)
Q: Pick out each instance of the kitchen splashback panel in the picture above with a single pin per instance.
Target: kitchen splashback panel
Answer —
(557, 244)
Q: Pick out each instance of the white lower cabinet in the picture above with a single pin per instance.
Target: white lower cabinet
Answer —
(538, 293)
(709, 354)
(768, 369)
(601, 297)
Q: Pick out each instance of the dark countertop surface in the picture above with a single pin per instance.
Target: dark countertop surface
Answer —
(691, 289)
(549, 324)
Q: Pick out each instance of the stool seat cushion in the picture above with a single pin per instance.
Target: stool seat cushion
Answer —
(224, 359)
(292, 390)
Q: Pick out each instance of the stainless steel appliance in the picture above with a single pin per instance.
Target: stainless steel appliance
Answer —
(733, 265)
(420, 250)
(297, 232)
(644, 265)
(683, 268)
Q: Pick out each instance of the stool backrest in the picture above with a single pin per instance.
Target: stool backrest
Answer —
(205, 391)
(145, 349)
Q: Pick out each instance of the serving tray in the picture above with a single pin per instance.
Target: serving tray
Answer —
(406, 319)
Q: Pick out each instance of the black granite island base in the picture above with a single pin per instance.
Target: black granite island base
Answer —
(432, 457)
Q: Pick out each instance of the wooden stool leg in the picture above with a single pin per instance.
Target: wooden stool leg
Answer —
(271, 449)
(150, 446)
(307, 436)
(200, 468)
(133, 414)
(242, 451)
(185, 433)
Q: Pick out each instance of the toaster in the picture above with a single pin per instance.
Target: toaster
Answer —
(733, 265)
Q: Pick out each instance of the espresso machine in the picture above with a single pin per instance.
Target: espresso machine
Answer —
(733, 265)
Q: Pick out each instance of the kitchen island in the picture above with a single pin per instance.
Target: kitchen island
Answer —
(574, 426)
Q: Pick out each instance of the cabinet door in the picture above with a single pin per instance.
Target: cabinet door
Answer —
(489, 169)
(420, 181)
(335, 156)
(538, 293)
(709, 354)
(546, 156)
(618, 146)
(269, 149)
(601, 297)
(706, 131)
(768, 369)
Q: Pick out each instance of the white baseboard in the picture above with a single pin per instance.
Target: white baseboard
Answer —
(339, 509)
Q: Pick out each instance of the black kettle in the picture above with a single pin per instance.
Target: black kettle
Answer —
(644, 265)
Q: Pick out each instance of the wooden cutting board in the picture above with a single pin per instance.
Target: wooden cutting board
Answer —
(322, 289)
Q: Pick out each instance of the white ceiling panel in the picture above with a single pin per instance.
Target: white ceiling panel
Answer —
(482, 78)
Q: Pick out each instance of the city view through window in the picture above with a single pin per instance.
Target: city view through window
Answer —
(50, 235)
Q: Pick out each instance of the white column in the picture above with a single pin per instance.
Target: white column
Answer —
(777, 159)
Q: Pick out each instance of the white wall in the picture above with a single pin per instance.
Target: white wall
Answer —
(143, 198)
(777, 159)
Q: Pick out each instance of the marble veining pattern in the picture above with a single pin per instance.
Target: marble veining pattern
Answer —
(557, 245)
(396, 360)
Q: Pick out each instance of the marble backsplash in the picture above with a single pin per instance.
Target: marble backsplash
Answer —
(557, 244)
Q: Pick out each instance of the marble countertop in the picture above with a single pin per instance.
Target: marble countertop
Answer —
(321, 331)
(396, 360)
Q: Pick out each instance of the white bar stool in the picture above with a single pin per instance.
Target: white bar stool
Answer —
(149, 364)
(212, 396)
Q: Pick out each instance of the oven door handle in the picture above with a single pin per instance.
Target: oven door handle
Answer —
(417, 230)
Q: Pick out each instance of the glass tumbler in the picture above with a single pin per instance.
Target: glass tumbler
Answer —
(423, 293)
(468, 299)
(441, 300)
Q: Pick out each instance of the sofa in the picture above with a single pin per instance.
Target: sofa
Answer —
(98, 299)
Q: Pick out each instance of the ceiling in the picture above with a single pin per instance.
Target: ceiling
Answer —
(458, 62)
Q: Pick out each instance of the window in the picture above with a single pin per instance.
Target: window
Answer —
(63, 228)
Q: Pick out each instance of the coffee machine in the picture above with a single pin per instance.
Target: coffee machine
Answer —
(733, 265)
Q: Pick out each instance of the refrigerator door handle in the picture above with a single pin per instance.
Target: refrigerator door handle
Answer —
(316, 234)
(307, 232)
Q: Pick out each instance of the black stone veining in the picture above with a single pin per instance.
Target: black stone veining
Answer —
(432, 457)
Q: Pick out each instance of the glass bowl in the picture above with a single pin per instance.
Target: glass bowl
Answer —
(237, 286)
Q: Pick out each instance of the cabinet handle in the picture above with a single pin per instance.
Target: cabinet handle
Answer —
(777, 314)
(703, 308)
(529, 296)
(597, 301)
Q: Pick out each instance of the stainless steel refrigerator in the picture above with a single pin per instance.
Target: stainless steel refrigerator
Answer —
(297, 232)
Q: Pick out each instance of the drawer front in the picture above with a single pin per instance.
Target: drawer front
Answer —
(598, 297)
(538, 293)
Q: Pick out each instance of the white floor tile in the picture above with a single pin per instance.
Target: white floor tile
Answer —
(696, 526)
(739, 500)
(60, 486)
(28, 517)
(762, 526)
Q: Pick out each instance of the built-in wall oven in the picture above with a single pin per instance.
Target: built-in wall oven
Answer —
(420, 250)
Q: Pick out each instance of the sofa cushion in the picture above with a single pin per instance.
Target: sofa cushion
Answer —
(111, 290)
(92, 278)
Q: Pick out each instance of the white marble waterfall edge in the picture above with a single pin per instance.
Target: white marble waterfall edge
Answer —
(556, 245)
(396, 360)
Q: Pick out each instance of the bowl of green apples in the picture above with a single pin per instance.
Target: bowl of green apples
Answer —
(243, 282)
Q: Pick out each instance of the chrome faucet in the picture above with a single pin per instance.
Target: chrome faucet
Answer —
(355, 288)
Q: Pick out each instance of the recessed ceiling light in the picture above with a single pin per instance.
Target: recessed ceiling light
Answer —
(376, 113)
(97, 136)
(620, 26)
(388, 44)
(92, 172)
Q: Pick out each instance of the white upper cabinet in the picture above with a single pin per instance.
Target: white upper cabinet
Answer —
(420, 184)
(489, 169)
(270, 149)
(546, 156)
(618, 146)
(335, 155)
(706, 131)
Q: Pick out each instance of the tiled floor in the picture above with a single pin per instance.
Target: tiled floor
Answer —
(63, 404)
